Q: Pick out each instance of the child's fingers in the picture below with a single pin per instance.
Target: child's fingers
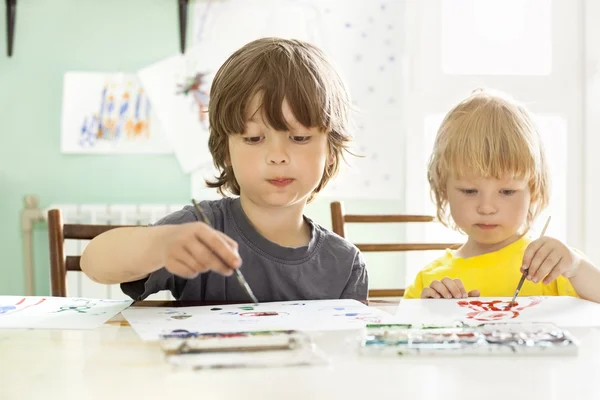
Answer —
(550, 262)
(216, 242)
(180, 268)
(429, 293)
(206, 259)
(186, 258)
(530, 252)
(232, 243)
(537, 260)
(474, 293)
(556, 272)
(452, 288)
(461, 287)
(441, 289)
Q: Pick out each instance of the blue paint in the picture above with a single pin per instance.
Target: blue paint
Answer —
(5, 309)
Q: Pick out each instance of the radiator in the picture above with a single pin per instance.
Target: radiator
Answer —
(78, 284)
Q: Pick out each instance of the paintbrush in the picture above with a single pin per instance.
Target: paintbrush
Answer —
(527, 270)
(238, 273)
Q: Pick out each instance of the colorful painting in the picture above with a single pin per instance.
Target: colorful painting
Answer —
(497, 310)
(324, 315)
(561, 310)
(33, 312)
(178, 89)
(195, 88)
(109, 113)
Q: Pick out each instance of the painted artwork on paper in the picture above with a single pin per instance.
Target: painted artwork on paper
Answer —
(178, 88)
(150, 323)
(109, 114)
(563, 311)
(35, 312)
(194, 87)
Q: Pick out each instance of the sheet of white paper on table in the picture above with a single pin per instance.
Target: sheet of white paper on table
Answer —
(36, 312)
(563, 311)
(308, 315)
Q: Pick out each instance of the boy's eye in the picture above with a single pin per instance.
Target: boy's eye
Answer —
(300, 139)
(468, 191)
(508, 192)
(253, 139)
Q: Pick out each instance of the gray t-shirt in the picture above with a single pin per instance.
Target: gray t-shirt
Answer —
(329, 267)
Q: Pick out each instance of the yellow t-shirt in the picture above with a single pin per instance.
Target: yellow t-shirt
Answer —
(494, 274)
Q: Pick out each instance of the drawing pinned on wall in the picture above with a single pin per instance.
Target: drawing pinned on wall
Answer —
(178, 88)
(151, 322)
(109, 114)
(195, 88)
(564, 311)
(34, 312)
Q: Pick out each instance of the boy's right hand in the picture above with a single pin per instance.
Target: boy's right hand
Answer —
(195, 247)
(447, 288)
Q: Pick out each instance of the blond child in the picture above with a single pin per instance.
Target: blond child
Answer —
(278, 117)
(489, 177)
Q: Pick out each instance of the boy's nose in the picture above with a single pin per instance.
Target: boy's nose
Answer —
(277, 155)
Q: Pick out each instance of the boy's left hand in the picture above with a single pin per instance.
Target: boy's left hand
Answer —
(548, 258)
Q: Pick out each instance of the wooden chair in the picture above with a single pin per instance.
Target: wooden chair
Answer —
(339, 219)
(57, 233)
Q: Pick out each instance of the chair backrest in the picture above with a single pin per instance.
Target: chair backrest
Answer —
(57, 234)
(339, 218)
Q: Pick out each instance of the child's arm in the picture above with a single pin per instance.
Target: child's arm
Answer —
(587, 281)
(128, 254)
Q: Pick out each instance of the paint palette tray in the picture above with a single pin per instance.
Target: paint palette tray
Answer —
(453, 340)
(240, 349)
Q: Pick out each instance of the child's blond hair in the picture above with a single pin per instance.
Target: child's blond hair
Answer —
(492, 136)
(277, 69)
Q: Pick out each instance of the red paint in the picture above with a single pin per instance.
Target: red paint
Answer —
(24, 308)
(494, 310)
(261, 314)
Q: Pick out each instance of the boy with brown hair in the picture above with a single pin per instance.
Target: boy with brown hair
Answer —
(278, 116)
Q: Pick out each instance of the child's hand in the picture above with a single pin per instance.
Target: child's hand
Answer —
(196, 247)
(447, 288)
(548, 258)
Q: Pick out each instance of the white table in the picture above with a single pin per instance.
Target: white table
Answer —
(112, 363)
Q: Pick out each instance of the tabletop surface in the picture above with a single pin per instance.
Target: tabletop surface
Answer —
(112, 362)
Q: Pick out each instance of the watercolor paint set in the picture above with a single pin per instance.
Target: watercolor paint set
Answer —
(240, 349)
(458, 339)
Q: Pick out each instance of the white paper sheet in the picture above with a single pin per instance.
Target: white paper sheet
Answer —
(561, 310)
(313, 315)
(109, 114)
(35, 312)
(178, 89)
